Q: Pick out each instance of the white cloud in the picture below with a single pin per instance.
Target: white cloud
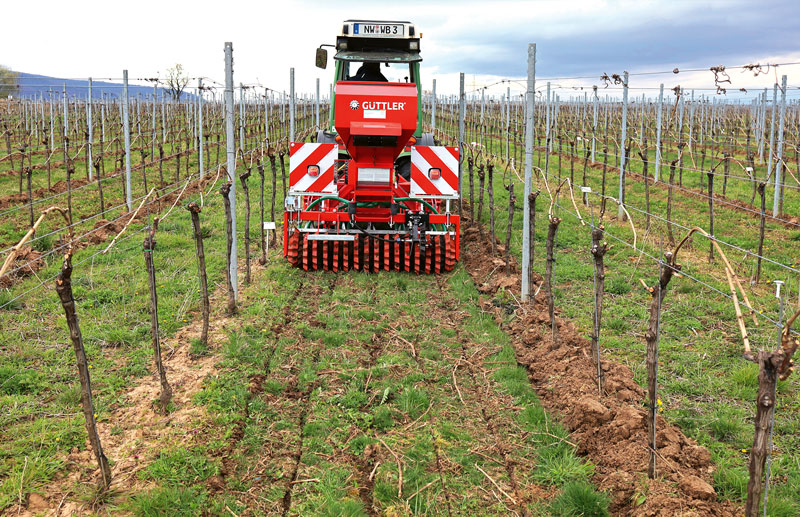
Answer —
(99, 39)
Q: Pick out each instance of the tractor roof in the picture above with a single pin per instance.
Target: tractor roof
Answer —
(374, 21)
(378, 29)
(374, 36)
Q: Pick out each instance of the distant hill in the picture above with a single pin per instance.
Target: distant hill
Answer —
(34, 85)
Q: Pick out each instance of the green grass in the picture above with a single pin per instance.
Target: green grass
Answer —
(30, 474)
(167, 501)
(39, 395)
(19, 381)
(9, 301)
(338, 387)
(707, 388)
(180, 468)
(198, 348)
(338, 381)
(580, 500)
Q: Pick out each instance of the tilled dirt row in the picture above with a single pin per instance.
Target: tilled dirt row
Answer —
(136, 431)
(786, 220)
(609, 428)
(60, 186)
(29, 261)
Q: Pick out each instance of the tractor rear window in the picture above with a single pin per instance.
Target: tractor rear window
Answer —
(379, 72)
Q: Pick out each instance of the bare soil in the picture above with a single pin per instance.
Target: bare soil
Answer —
(609, 428)
(137, 430)
(102, 230)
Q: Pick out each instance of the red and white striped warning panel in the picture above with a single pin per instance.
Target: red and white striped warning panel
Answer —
(311, 168)
(434, 171)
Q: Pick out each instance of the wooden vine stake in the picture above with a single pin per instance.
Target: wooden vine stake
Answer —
(711, 214)
(243, 178)
(49, 155)
(490, 188)
(550, 249)
(194, 210)
(29, 174)
(161, 163)
(8, 134)
(21, 167)
(118, 165)
(623, 190)
(762, 220)
(225, 190)
(281, 154)
(70, 172)
(470, 169)
(263, 258)
(599, 250)
(670, 195)
(559, 156)
(658, 293)
(481, 181)
(178, 163)
(148, 246)
(512, 199)
(143, 157)
(702, 167)
(725, 169)
(643, 156)
(64, 290)
(548, 276)
(771, 367)
(274, 170)
(98, 174)
(532, 232)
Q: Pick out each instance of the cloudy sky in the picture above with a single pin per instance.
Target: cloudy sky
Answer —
(484, 39)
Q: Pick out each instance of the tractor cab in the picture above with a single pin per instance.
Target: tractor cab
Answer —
(376, 51)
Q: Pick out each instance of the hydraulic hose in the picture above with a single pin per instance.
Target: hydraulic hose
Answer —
(417, 200)
(323, 198)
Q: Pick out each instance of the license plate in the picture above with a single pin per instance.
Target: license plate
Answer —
(377, 30)
(375, 114)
